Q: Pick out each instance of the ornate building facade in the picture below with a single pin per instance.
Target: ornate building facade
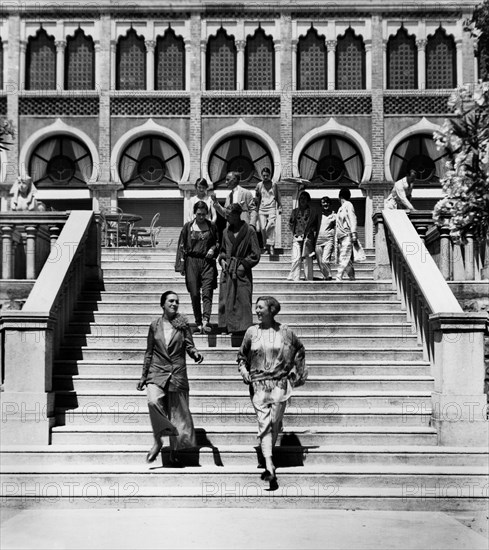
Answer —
(128, 103)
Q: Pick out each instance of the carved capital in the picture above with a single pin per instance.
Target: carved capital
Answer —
(150, 45)
(331, 45)
(421, 43)
(240, 45)
(60, 45)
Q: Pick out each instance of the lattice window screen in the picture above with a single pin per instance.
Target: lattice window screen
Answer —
(131, 62)
(170, 62)
(440, 61)
(312, 62)
(259, 59)
(350, 62)
(402, 67)
(221, 62)
(80, 62)
(41, 62)
(1, 63)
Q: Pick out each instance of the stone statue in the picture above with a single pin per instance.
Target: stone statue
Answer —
(23, 192)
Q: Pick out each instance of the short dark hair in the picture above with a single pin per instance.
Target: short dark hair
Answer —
(202, 205)
(306, 195)
(325, 199)
(236, 175)
(266, 169)
(272, 303)
(344, 193)
(165, 295)
(201, 181)
(234, 208)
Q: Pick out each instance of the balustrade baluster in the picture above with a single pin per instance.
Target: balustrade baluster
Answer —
(30, 251)
(7, 249)
(469, 258)
(445, 252)
(54, 231)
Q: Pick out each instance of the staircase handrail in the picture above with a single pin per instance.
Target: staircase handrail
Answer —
(32, 336)
(453, 340)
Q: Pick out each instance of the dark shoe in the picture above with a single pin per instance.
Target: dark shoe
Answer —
(267, 475)
(175, 463)
(273, 483)
(206, 328)
(153, 453)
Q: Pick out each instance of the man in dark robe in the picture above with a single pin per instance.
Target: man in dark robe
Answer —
(240, 252)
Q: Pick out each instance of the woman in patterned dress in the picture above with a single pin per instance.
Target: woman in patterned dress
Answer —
(272, 361)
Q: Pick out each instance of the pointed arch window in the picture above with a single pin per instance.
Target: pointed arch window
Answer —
(221, 62)
(259, 62)
(312, 69)
(131, 62)
(170, 62)
(350, 62)
(402, 61)
(79, 62)
(441, 59)
(41, 62)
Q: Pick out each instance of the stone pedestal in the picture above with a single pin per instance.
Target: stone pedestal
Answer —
(459, 402)
(104, 195)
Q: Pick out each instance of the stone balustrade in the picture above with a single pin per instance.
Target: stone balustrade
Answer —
(453, 341)
(26, 241)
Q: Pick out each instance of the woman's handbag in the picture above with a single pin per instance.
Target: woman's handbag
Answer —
(358, 252)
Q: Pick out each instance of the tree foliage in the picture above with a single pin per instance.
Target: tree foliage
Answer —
(465, 206)
(479, 25)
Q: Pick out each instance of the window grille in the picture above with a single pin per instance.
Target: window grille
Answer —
(402, 65)
(41, 62)
(312, 73)
(131, 62)
(440, 61)
(170, 62)
(221, 62)
(350, 62)
(259, 62)
(1, 63)
(79, 62)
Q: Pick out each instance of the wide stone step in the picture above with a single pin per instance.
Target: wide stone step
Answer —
(295, 416)
(134, 455)
(312, 338)
(246, 435)
(209, 382)
(213, 354)
(334, 476)
(238, 400)
(219, 368)
(320, 327)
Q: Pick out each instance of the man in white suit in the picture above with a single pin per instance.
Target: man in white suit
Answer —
(239, 195)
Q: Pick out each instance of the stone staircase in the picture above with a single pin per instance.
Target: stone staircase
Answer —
(357, 435)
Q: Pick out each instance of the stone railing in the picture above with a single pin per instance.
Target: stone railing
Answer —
(31, 337)
(453, 341)
(26, 241)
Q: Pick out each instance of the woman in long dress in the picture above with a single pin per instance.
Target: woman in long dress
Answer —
(272, 361)
(346, 235)
(165, 377)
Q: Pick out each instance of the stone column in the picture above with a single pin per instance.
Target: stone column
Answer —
(293, 51)
(203, 65)
(30, 251)
(187, 190)
(278, 80)
(188, 64)
(384, 57)
(5, 57)
(7, 236)
(445, 246)
(22, 64)
(459, 402)
(368, 64)
(240, 63)
(460, 63)
(113, 61)
(421, 44)
(469, 258)
(150, 64)
(28, 399)
(98, 65)
(288, 192)
(193, 84)
(60, 64)
(331, 46)
(104, 195)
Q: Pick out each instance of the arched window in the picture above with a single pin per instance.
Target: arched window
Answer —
(151, 161)
(259, 62)
(79, 62)
(419, 152)
(331, 160)
(221, 62)
(131, 62)
(441, 61)
(170, 62)
(243, 154)
(61, 161)
(402, 61)
(350, 62)
(40, 62)
(312, 71)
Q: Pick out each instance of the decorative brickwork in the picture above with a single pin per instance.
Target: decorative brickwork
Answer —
(332, 105)
(350, 62)
(312, 73)
(41, 62)
(170, 62)
(59, 106)
(402, 66)
(240, 106)
(260, 57)
(150, 106)
(80, 62)
(440, 61)
(418, 104)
